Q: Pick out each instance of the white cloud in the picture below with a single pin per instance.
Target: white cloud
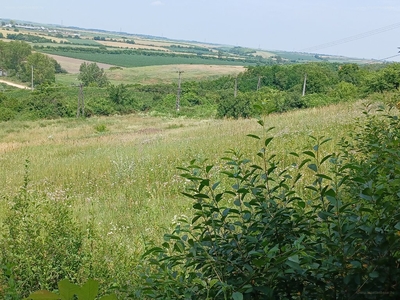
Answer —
(157, 3)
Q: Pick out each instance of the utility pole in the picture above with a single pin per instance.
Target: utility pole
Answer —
(259, 83)
(178, 96)
(82, 100)
(31, 77)
(235, 94)
(81, 103)
(305, 83)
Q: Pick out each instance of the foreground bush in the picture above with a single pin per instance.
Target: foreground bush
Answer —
(41, 244)
(260, 231)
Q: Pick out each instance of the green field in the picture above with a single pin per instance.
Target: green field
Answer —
(83, 42)
(137, 60)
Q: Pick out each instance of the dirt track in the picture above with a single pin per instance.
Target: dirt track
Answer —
(20, 86)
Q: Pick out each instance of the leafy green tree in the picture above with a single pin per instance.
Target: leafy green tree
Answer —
(3, 46)
(57, 67)
(92, 74)
(239, 107)
(386, 79)
(118, 93)
(345, 91)
(349, 73)
(15, 54)
(321, 77)
(43, 69)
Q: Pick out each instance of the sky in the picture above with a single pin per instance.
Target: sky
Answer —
(289, 25)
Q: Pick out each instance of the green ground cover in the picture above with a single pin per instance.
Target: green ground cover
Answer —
(137, 60)
(119, 173)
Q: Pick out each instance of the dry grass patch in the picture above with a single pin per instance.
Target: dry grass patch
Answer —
(71, 65)
(131, 46)
(126, 174)
(168, 73)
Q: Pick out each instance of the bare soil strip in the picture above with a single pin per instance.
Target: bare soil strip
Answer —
(71, 65)
(20, 86)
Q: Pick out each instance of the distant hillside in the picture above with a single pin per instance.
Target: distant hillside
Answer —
(64, 40)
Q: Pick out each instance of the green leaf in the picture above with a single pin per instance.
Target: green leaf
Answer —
(197, 206)
(293, 265)
(294, 258)
(153, 250)
(215, 185)
(267, 141)
(323, 176)
(269, 129)
(313, 167)
(44, 295)
(309, 153)
(89, 290)
(397, 226)
(254, 253)
(188, 195)
(304, 162)
(67, 289)
(325, 158)
(202, 196)
(301, 204)
(374, 274)
(253, 136)
(168, 237)
(355, 264)
(237, 296)
(326, 140)
(213, 282)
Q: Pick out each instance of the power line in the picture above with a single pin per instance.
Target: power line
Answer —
(352, 38)
(389, 57)
(383, 59)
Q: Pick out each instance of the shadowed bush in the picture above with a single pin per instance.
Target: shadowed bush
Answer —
(259, 231)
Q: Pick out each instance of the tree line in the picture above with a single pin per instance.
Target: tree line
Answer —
(18, 59)
(259, 90)
(250, 60)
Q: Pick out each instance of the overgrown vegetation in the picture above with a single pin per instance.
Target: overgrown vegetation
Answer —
(277, 88)
(316, 224)
(18, 61)
(284, 222)
(260, 231)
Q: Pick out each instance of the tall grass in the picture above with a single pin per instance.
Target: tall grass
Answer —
(130, 168)
(124, 179)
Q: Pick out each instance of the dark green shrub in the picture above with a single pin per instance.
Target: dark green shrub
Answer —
(6, 114)
(239, 107)
(261, 231)
(70, 291)
(41, 242)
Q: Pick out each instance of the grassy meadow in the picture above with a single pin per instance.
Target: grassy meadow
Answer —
(118, 177)
(124, 167)
(151, 74)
